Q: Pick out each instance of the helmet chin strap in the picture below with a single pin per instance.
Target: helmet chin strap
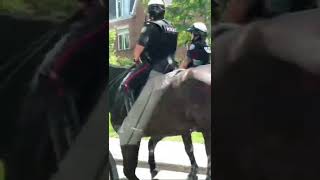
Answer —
(195, 37)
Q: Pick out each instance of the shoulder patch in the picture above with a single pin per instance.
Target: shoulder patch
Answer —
(191, 47)
(143, 29)
(207, 49)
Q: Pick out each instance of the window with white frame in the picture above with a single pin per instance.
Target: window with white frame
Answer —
(123, 39)
(122, 8)
(119, 8)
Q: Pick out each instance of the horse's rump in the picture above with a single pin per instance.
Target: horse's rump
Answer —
(292, 38)
(170, 104)
(266, 98)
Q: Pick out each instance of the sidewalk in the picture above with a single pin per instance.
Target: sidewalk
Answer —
(168, 155)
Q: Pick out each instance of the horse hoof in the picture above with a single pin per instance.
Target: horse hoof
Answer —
(154, 173)
(192, 177)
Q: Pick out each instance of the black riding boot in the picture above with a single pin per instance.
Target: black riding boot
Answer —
(130, 160)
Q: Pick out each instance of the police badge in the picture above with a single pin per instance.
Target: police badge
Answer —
(143, 29)
(191, 47)
(207, 49)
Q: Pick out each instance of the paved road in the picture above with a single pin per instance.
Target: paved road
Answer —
(165, 152)
(170, 157)
(144, 174)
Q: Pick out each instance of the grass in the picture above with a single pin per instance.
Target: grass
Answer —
(196, 136)
(1, 171)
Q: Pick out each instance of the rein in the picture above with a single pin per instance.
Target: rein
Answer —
(119, 77)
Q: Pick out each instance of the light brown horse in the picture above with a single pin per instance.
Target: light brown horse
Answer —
(266, 97)
(183, 103)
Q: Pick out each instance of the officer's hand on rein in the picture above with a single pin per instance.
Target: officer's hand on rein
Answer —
(137, 61)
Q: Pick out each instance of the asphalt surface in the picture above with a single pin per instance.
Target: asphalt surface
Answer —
(171, 159)
(144, 174)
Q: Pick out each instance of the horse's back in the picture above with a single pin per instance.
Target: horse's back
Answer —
(184, 101)
(291, 38)
(264, 113)
(115, 70)
(202, 73)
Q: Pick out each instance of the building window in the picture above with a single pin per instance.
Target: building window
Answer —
(119, 8)
(122, 8)
(123, 39)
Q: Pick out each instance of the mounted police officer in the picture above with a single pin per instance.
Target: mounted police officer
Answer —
(198, 52)
(155, 50)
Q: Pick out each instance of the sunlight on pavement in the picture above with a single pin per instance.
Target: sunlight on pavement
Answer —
(144, 174)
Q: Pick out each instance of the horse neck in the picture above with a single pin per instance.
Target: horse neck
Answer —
(116, 76)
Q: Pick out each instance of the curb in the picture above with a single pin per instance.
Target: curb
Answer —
(166, 166)
(169, 156)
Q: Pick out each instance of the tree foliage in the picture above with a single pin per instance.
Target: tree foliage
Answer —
(52, 8)
(112, 54)
(12, 6)
(183, 13)
(113, 58)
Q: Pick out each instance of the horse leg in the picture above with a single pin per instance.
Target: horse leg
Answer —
(130, 160)
(187, 141)
(151, 146)
(207, 141)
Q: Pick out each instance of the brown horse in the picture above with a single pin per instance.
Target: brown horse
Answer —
(47, 122)
(266, 96)
(178, 104)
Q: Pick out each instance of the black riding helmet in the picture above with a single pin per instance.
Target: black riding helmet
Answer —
(156, 9)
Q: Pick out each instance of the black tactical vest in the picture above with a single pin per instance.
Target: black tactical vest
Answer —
(167, 45)
(199, 53)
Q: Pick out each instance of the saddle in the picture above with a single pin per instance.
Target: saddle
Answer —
(132, 84)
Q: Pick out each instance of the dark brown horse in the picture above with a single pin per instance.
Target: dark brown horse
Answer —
(21, 51)
(118, 113)
(44, 132)
(180, 103)
(266, 97)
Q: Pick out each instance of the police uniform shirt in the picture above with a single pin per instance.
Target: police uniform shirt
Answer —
(159, 39)
(150, 34)
(199, 53)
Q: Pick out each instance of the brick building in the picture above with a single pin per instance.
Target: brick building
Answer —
(127, 18)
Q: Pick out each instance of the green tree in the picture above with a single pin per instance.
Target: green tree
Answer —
(50, 8)
(183, 13)
(13, 6)
(113, 58)
(112, 55)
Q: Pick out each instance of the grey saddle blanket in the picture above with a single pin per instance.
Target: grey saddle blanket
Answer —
(141, 112)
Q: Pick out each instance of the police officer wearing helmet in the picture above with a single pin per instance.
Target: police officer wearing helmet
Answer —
(198, 52)
(154, 50)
